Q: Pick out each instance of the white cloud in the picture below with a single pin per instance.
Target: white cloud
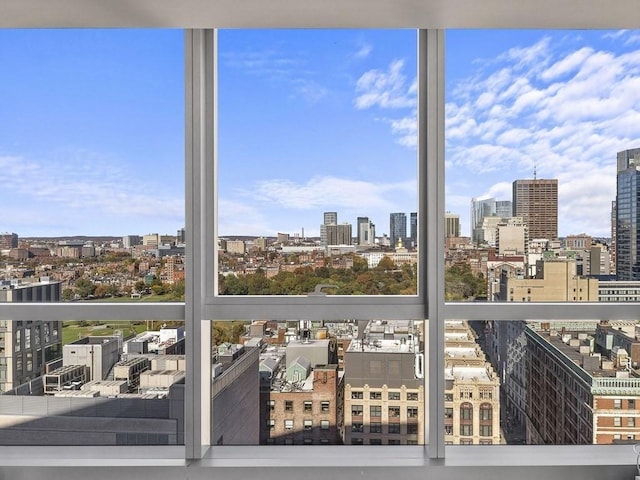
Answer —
(85, 185)
(385, 89)
(327, 191)
(364, 51)
(567, 111)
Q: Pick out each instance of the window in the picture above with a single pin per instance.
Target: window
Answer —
(356, 410)
(412, 396)
(288, 424)
(394, 428)
(375, 441)
(375, 395)
(617, 403)
(375, 411)
(356, 427)
(308, 406)
(271, 423)
(324, 407)
(308, 425)
(631, 422)
(583, 17)
(271, 405)
(486, 430)
(412, 412)
(466, 430)
(357, 395)
(412, 429)
(375, 427)
(394, 412)
(288, 405)
(393, 396)
(617, 421)
(324, 424)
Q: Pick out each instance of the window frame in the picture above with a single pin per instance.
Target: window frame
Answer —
(562, 461)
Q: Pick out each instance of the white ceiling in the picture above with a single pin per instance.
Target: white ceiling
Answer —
(322, 13)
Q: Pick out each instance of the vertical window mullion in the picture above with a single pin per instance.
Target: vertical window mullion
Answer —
(431, 167)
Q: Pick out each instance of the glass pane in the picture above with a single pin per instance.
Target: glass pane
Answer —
(92, 383)
(319, 383)
(92, 156)
(559, 382)
(317, 172)
(542, 142)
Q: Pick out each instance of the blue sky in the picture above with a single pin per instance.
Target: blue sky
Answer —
(92, 126)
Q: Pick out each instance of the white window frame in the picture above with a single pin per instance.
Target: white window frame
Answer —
(197, 459)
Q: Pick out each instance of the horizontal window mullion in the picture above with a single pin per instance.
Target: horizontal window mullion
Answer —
(92, 311)
(542, 311)
(315, 311)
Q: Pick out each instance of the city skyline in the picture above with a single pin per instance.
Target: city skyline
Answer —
(92, 138)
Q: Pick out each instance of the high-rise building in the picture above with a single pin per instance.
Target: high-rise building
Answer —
(384, 389)
(366, 234)
(480, 208)
(397, 227)
(504, 208)
(451, 225)
(8, 240)
(338, 234)
(330, 218)
(628, 215)
(28, 346)
(613, 247)
(536, 201)
(413, 221)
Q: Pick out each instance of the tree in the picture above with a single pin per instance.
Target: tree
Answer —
(67, 294)
(85, 287)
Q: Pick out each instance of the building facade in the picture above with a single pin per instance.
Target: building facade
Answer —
(536, 201)
(397, 227)
(628, 215)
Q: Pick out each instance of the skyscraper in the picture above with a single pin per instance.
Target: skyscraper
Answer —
(366, 233)
(628, 215)
(480, 208)
(397, 227)
(451, 225)
(330, 218)
(413, 220)
(536, 201)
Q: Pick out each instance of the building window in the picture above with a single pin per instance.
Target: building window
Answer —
(617, 421)
(412, 412)
(356, 410)
(448, 412)
(631, 422)
(375, 395)
(271, 405)
(617, 403)
(412, 429)
(631, 403)
(393, 396)
(466, 411)
(394, 428)
(375, 441)
(394, 412)
(271, 423)
(486, 412)
(357, 395)
(412, 396)
(375, 427)
(288, 424)
(357, 441)
(357, 427)
(466, 430)
(308, 424)
(486, 430)
(324, 407)
(375, 411)
(288, 405)
(324, 424)
(308, 406)
(393, 442)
